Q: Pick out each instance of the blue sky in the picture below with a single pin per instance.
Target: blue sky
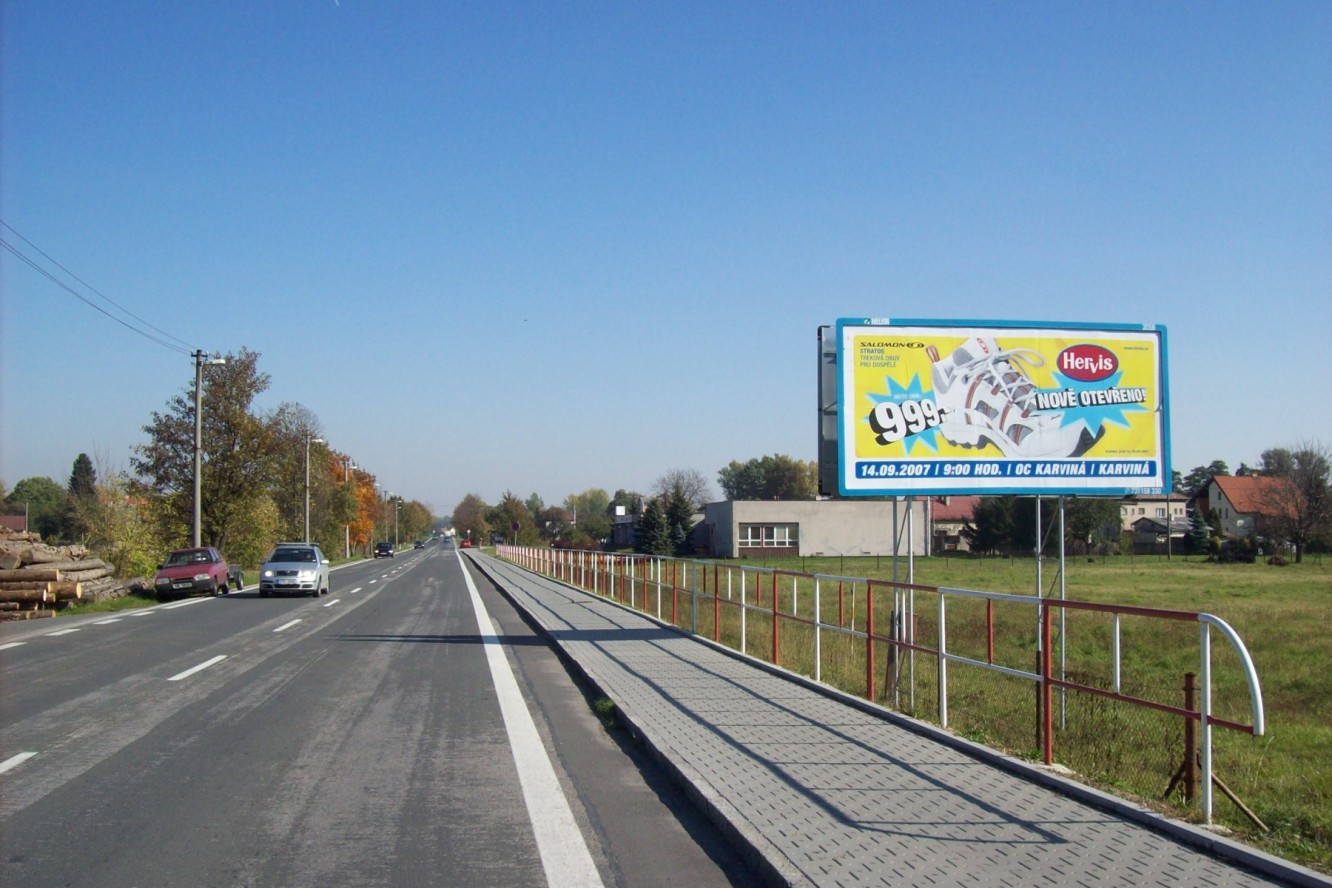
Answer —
(544, 247)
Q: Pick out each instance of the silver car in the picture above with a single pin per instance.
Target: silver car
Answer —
(299, 568)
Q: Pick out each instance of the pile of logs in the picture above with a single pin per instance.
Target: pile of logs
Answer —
(36, 579)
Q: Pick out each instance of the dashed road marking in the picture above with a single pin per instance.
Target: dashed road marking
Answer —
(202, 666)
(15, 760)
(286, 626)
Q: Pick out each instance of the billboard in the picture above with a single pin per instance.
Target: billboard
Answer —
(940, 407)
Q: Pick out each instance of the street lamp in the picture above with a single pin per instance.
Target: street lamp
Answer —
(309, 439)
(397, 504)
(199, 361)
(347, 466)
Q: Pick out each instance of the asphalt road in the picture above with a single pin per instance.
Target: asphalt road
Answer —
(368, 737)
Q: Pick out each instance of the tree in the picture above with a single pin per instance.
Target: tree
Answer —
(469, 518)
(290, 426)
(591, 510)
(991, 526)
(691, 483)
(235, 448)
(631, 502)
(120, 530)
(679, 513)
(46, 504)
(1200, 532)
(776, 477)
(82, 490)
(1196, 479)
(1091, 522)
(509, 512)
(1298, 507)
(653, 536)
(83, 478)
(535, 505)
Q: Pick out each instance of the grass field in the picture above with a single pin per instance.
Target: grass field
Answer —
(1280, 613)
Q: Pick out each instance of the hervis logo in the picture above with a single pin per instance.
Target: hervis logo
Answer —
(1087, 362)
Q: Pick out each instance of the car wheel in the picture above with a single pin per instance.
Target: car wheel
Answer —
(314, 593)
(263, 593)
(219, 591)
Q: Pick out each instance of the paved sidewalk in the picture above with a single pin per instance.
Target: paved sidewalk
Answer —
(819, 789)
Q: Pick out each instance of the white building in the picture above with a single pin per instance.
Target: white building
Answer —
(754, 528)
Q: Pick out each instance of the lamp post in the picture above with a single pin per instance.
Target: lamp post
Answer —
(309, 439)
(199, 361)
(397, 504)
(347, 466)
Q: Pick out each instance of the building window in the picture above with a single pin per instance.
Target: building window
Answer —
(769, 536)
(1160, 513)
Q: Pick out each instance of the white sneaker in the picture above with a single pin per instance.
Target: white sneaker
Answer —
(986, 398)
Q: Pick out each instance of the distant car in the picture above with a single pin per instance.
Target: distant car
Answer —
(383, 550)
(465, 544)
(418, 545)
(192, 571)
(299, 568)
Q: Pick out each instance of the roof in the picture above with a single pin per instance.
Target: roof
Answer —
(1251, 494)
(957, 508)
(14, 522)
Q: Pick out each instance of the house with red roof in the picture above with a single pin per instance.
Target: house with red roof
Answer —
(948, 516)
(1243, 503)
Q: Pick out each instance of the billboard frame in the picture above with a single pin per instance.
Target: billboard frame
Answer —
(1077, 470)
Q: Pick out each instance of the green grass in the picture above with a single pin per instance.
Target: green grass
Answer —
(1279, 612)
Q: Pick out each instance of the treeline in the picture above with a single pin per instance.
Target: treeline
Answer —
(662, 518)
(253, 484)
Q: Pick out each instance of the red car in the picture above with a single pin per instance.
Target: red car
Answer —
(191, 571)
(465, 544)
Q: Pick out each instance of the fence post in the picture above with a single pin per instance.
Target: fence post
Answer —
(869, 642)
(1190, 740)
(774, 618)
(1047, 715)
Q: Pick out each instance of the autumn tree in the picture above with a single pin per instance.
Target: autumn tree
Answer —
(120, 530)
(1299, 506)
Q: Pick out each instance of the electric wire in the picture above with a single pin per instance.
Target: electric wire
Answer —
(159, 340)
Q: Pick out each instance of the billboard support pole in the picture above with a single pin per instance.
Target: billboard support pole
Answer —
(1063, 616)
(910, 632)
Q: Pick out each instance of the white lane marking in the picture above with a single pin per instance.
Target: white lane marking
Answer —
(144, 613)
(331, 602)
(563, 850)
(12, 644)
(15, 760)
(184, 603)
(354, 591)
(286, 626)
(61, 632)
(107, 622)
(372, 582)
(202, 666)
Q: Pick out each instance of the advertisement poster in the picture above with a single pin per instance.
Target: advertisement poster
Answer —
(935, 407)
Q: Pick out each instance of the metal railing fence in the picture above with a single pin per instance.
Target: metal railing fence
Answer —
(897, 644)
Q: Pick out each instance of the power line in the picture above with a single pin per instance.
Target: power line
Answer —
(183, 348)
